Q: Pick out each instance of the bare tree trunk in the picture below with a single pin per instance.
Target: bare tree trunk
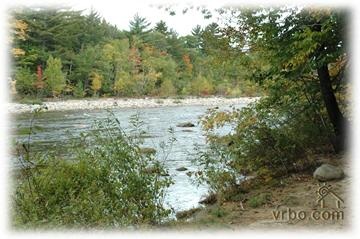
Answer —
(336, 117)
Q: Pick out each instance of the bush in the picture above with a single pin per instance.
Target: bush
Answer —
(105, 185)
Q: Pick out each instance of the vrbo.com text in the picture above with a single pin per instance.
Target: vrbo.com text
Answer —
(290, 214)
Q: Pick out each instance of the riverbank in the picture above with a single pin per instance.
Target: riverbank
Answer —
(258, 207)
(111, 103)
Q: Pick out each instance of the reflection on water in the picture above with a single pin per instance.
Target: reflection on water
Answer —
(183, 194)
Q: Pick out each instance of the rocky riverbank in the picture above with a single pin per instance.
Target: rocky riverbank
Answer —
(111, 103)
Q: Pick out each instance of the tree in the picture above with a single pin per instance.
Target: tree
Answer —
(96, 81)
(167, 89)
(25, 81)
(161, 27)
(55, 78)
(298, 44)
(139, 26)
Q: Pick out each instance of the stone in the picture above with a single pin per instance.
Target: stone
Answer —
(186, 124)
(328, 172)
(181, 169)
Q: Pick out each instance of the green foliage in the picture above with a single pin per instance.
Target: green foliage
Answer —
(106, 184)
(54, 77)
(25, 81)
(270, 138)
(167, 89)
(275, 136)
(259, 200)
(79, 91)
(201, 86)
(140, 62)
(218, 212)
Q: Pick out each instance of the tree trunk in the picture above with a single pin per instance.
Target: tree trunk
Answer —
(336, 117)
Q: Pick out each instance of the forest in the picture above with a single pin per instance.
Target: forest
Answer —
(62, 52)
(295, 59)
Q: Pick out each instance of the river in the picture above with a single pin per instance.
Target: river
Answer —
(183, 194)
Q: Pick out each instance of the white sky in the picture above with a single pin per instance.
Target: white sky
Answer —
(120, 13)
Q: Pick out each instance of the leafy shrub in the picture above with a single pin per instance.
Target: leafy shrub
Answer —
(105, 184)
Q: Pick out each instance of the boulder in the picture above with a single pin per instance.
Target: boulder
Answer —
(328, 172)
(186, 124)
(181, 169)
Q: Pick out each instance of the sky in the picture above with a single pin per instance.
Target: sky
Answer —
(120, 16)
(119, 13)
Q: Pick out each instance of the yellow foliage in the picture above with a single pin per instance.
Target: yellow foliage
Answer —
(19, 28)
(17, 52)
(96, 80)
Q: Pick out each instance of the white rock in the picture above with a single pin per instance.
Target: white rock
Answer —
(328, 172)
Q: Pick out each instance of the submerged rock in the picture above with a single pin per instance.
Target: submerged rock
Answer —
(328, 172)
(187, 130)
(181, 169)
(186, 124)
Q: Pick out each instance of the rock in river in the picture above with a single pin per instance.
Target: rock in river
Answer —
(328, 172)
(181, 169)
(186, 124)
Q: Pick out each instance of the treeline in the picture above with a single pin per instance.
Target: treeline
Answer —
(61, 52)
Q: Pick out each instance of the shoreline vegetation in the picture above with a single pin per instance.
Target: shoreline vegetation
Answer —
(112, 103)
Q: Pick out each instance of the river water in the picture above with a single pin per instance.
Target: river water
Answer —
(183, 194)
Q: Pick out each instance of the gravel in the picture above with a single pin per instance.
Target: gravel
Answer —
(111, 103)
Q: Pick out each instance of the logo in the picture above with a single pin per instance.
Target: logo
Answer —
(326, 211)
(325, 191)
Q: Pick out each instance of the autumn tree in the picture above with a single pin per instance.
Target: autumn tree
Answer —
(96, 82)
